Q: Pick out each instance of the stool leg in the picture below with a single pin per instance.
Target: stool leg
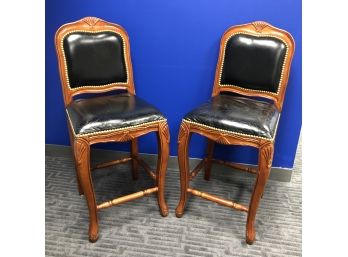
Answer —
(210, 151)
(82, 156)
(79, 187)
(163, 155)
(134, 154)
(265, 163)
(183, 142)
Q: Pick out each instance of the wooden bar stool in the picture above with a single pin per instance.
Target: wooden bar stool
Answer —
(254, 61)
(94, 57)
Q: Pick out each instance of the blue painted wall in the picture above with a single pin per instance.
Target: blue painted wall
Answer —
(174, 48)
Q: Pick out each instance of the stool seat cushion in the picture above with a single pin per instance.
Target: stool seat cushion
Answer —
(237, 114)
(104, 113)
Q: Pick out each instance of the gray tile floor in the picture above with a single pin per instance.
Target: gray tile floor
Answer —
(137, 229)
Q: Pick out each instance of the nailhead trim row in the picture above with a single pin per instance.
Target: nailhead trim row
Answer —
(111, 130)
(227, 131)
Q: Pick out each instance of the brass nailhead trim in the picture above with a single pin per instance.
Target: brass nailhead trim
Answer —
(111, 130)
(97, 31)
(227, 131)
(254, 90)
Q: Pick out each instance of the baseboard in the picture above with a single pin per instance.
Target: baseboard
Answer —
(277, 173)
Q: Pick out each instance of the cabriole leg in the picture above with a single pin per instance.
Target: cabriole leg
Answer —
(162, 161)
(183, 142)
(79, 187)
(265, 163)
(82, 157)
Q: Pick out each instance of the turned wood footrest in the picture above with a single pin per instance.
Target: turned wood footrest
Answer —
(237, 166)
(146, 167)
(218, 200)
(197, 169)
(142, 163)
(127, 198)
(111, 163)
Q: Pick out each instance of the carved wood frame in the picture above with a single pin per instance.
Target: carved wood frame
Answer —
(81, 143)
(93, 25)
(258, 29)
(265, 146)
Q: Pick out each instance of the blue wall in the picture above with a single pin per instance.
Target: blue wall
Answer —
(174, 48)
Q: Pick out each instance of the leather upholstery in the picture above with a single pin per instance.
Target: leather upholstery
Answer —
(110, 112)
(237, 114)
(94, 58)
(253, 62)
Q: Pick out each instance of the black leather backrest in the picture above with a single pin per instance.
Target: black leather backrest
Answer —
(94, 59)
(253, 62)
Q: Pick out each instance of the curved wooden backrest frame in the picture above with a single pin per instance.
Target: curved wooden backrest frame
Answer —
(91, 24)
(259, 29)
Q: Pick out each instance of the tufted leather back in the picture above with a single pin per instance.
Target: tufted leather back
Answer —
(253, 62)
(94, 58)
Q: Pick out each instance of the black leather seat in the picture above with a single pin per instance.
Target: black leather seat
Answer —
(110, 112)
(237, 114)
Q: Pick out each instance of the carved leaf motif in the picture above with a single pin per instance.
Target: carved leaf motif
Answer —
(80, 149)
(163, 129)
(91, 21)
(184, 131)
(223, 139)
(125, 137)
(259, 25)
(267, 152)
